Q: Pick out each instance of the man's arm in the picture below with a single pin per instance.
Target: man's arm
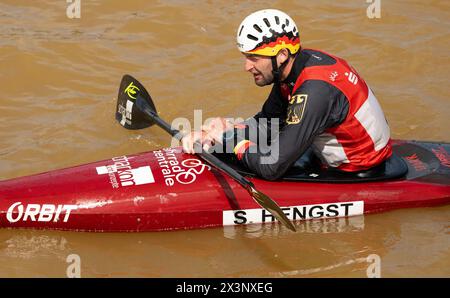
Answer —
(315, 106)
(225, 135)
(260, 124)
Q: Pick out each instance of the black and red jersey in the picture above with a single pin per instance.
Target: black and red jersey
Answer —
(323, 104)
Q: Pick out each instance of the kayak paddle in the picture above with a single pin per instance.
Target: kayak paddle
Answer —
(136, 110)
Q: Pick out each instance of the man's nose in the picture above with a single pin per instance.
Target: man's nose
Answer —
(248, 65)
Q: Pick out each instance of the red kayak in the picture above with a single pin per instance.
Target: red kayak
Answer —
(168, 190)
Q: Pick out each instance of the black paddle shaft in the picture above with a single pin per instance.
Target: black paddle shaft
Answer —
(220, 165)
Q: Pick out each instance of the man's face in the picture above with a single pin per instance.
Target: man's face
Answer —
(260, 67)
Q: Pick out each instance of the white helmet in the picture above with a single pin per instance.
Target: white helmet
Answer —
(266, 32)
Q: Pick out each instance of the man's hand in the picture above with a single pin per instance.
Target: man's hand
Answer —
(196, 136)
(216, 128)
(211, 134)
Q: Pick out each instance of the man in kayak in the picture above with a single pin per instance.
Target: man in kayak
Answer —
(320, 101)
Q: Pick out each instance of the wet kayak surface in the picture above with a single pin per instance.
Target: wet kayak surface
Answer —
(60, 79)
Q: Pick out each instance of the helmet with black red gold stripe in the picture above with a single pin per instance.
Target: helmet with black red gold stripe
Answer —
(266, 32)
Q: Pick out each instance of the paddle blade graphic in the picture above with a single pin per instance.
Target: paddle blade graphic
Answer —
(127, 113)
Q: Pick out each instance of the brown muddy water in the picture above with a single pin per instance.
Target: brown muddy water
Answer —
(59, 80)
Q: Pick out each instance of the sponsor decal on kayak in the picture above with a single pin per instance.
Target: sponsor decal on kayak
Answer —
(415, 161)
(37, 212)
(442, 155)
(121, 173)
(251, 216)
(184, 172)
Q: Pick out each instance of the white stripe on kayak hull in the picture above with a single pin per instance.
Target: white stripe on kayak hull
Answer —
(331, 210)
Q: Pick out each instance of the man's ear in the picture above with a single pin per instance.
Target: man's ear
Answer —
(283, 56)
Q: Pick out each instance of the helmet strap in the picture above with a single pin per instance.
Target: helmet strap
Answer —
(275, 70)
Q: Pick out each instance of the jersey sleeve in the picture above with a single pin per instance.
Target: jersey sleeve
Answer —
(257, 129)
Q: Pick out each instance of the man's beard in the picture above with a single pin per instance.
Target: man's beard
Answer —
(263, 81)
